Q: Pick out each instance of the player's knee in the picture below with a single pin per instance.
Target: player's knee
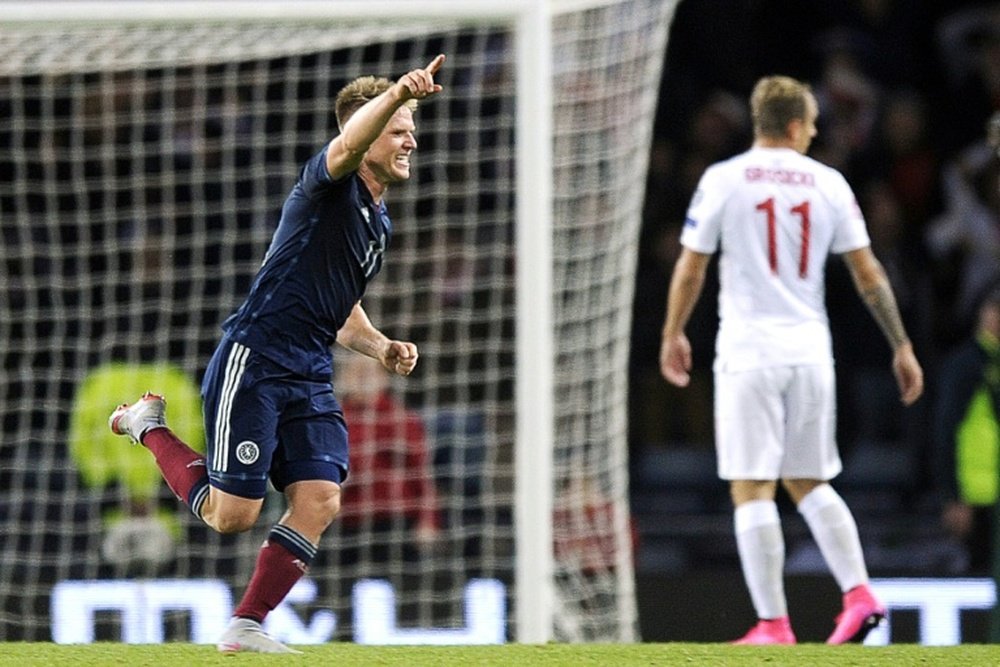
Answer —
(320, 506)
(230, 520)
(327, 504)
(800, 488)
(228, 525)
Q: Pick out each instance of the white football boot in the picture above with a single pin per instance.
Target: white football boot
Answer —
(244, 634)
(134, 420)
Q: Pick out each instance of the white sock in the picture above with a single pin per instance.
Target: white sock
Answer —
(762, 555)
(833, 527)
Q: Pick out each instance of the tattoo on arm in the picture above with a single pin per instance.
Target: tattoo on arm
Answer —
(882, 305)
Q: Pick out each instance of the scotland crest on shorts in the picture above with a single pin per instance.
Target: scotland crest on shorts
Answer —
(247, 452)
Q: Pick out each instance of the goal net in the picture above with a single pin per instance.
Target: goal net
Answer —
(143, 164)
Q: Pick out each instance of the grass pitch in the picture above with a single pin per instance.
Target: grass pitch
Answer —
(512, 655)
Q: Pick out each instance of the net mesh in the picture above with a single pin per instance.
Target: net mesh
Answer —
(143, 169)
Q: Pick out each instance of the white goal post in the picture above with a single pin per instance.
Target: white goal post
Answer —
(578, 163)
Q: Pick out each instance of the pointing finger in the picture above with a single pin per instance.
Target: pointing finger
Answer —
(436, 64)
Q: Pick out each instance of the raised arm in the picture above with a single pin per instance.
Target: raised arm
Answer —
(873, 286)
(349, 147)
(686, 285)
(360, 335)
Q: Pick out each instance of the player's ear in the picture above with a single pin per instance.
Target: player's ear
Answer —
(794, 128)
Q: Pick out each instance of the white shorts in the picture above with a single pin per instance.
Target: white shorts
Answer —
(776, 423)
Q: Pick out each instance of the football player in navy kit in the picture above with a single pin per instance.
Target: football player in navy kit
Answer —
(270, 410)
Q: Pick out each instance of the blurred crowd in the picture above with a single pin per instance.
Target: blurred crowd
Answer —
(906, 89)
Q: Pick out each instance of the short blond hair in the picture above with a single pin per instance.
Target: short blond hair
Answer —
(775, 102)
(358, 93)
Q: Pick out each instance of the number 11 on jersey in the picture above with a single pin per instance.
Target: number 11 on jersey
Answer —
(802, 211)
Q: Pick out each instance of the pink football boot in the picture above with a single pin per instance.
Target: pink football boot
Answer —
(862, 614)
(772, 631)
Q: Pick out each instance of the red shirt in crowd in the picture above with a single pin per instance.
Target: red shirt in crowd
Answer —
(390, 472)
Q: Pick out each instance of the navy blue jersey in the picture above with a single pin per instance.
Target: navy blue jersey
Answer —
(327, 247)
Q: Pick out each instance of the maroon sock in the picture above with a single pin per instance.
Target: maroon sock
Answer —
(182, 467)
(281, 562)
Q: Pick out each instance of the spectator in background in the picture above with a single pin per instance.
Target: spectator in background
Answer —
(968, 41)
(993, 133)
(139, 536)
(390, 516)
(965, 239)
(848, 102)
(389, 499)
(967, 435)
(584, 546)
(901, 154)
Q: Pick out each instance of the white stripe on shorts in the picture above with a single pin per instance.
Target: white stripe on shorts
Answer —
(235, 365)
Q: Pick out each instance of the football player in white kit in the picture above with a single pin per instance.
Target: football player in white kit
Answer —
(775, 215)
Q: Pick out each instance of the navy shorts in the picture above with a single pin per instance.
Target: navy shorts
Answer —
(264, 422)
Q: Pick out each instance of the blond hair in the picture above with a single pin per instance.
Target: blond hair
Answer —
(359, 92)
(775, 102)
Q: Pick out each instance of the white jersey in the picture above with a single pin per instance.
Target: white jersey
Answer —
(778, 215)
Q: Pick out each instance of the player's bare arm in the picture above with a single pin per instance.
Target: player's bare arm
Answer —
(358, 334)
(347, 150)
(873, 286)
(686, 285)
